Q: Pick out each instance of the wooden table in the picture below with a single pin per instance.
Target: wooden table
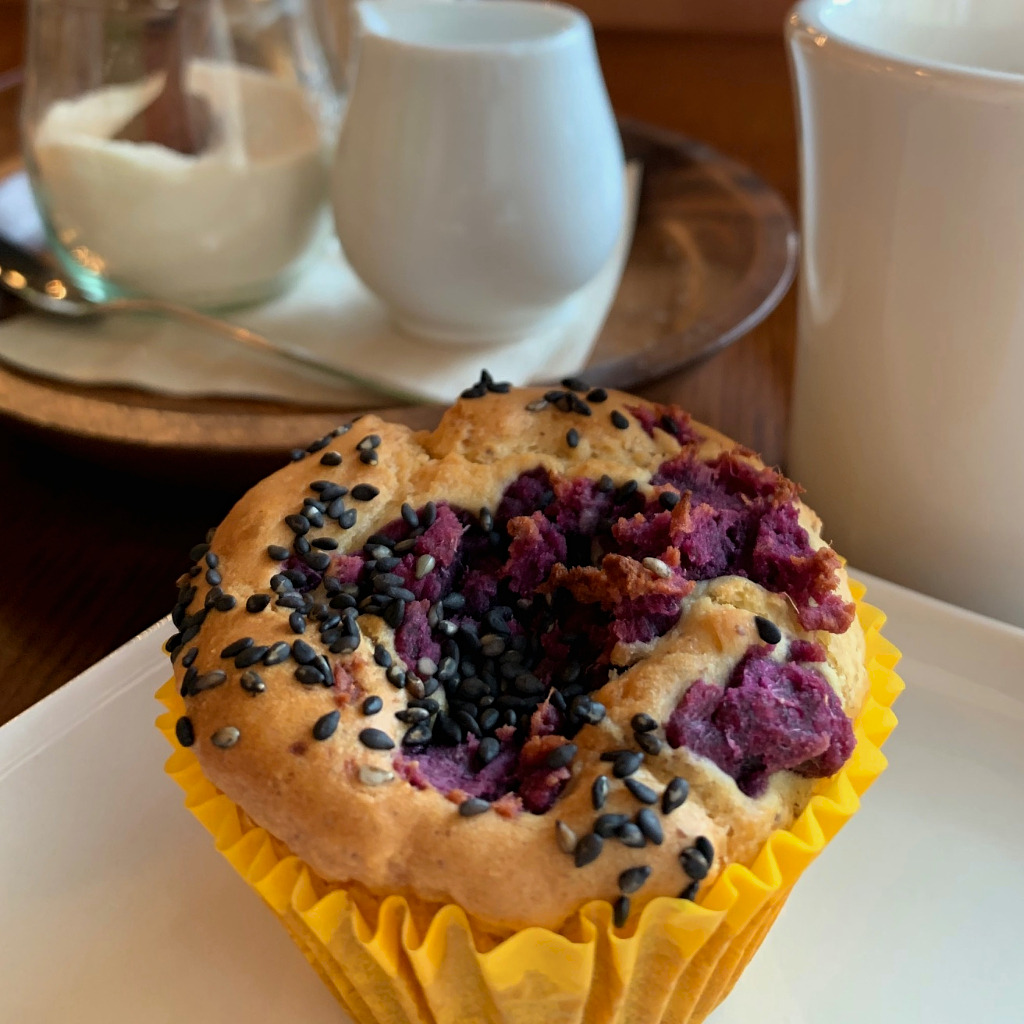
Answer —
(90, 554)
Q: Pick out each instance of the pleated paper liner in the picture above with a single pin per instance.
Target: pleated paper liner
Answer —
(389, 962)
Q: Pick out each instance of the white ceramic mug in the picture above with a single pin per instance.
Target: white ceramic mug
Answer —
(479, 174)
(908, 413)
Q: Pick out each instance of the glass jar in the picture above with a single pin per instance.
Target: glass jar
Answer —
(178, 148)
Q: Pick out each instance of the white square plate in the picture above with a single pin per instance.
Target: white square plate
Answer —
(115, 908)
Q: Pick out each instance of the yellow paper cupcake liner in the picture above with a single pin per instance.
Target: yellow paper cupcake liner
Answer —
(389, 962)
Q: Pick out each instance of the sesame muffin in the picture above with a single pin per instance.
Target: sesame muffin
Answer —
(569, 646)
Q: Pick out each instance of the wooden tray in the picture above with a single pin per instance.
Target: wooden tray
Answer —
(714, 251)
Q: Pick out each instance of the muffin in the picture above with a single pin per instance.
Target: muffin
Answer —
(535, 716)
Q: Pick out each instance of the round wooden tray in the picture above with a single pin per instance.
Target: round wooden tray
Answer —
(714, 251)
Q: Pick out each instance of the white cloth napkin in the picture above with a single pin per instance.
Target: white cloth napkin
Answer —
(328, 312)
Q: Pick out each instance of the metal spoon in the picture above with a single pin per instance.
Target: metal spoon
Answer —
(25, 275)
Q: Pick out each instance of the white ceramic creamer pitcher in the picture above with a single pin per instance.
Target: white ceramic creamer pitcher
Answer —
(479, 174)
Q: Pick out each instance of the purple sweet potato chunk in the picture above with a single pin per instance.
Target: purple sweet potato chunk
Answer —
(456, 768)
(536, 546)
(670, 418)
(772, 716)
(443, 538)
(806, 650)
(413, 639)
(346, 568)
(524, 495)
(581, 507)
(783, 561)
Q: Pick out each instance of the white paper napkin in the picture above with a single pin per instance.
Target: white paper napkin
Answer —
(328, 312)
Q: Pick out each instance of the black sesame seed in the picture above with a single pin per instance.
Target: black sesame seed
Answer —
(575, 384)
(279, 582)
(224, 603)
(292, 599)
(668, 500)
(372, 705)
(626, 763)
(314, 517)
(675, 795)
(631, 836)
(326, 725)
(237, 646)
(690, 892)
(473, 806)
(649, 743)
(612, 755)
(375, 739)
(469, 724)
(213, 577)
(297, 454)
(572, 437)
(648, 823)
(365, 492)
(297, 621)
(418, 735)
(643, 723)
(318, 561)
(618, 420)
(694, 863)
(626, 491)
(643, 793)
(409, 515)
(410, 716)
(347, 519)
(252, 682)
(297, 524)
(767, 630)
(381, 656)
(476, 391)
(488, 750)
(184, 732)
(309, 676)
(198, 551)
(703, 846)
(250, 656)
(599, 791)
(208, 680)
(597, 395)
(489, 719)
(368, 457)
(330, 459)
(303, 653)
(396, 676)
(394, 614)
(190, 656)
(588, 849)
(446, 732)
(257, 602)
(561, 757)
(607, 825)
(633, 879)
(277, 653)
(325, 543)
(429, 515)
(620, 912)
